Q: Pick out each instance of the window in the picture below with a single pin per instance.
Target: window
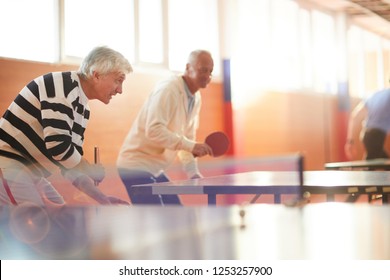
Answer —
(355, 62)
(372, 55)
(287, 48)
(273, 44)
(29, 33)
(368, 62)
(161, 32)
(386, 62)
(306, 51)
(285, 45)
(324, 52)
(89, 23)
(193, 24)
(250, 57)
(151, 47)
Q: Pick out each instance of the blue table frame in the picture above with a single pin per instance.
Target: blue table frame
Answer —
(277, 183)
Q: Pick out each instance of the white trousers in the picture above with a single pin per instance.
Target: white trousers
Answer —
(25, 186)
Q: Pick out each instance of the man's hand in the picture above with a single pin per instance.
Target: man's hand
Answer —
(196, 176)
(115, 200)
(201, 149)
(350, 150)
(96, 172)
(85, 184)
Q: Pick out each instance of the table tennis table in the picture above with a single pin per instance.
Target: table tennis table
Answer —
(371, 164)
(363, 165)
(277, 183)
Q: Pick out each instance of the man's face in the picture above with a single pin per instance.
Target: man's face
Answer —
(201, 71)
(106, 86)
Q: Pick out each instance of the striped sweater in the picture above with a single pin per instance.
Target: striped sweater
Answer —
(44, 126)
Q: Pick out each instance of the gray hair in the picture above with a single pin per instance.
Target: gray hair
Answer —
(194, 55)
(104, 60)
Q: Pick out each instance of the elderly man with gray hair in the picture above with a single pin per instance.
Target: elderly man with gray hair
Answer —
(43, 131)
(165, 128)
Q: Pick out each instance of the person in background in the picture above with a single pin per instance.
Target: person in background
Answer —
(374, 115)
(42, 131)
(164, 129)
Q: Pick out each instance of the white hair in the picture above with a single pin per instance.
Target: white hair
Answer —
(194, 55)
(104, 60)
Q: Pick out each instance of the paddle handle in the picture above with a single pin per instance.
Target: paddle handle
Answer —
(96, 159)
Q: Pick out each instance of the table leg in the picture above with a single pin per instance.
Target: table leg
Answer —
(329, 197)
(212, 199)
(277, 198)
(254, 199)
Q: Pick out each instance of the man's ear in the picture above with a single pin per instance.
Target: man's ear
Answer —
(95, 75)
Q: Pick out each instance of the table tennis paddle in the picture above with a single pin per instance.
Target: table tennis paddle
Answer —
(219, 143)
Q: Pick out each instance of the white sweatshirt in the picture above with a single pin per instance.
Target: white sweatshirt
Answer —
(162, 131)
